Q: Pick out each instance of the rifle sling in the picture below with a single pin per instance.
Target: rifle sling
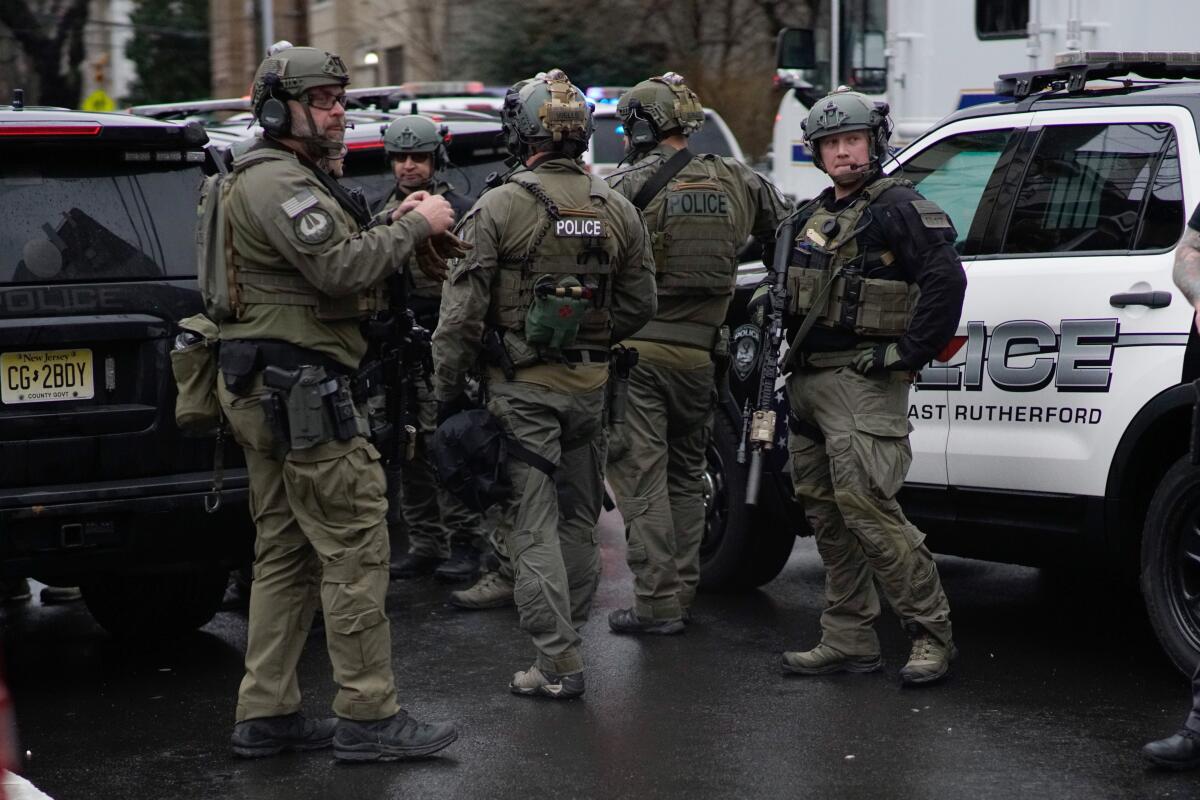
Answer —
(662, 177)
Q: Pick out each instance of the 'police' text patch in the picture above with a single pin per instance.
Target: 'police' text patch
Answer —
(697, 203)
(579, 227)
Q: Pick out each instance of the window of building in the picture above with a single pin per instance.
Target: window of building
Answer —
(1001, 19)
(394, 63)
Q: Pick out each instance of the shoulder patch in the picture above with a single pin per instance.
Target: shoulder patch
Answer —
(931, 214)
(298, 203)
(314, 226)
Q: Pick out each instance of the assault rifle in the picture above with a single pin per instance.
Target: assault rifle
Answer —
(759, 424)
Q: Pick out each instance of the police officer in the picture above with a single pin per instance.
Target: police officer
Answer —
(700, 210)
(875, 277)
(304, 272)
(444, 537)
(1181, 750)
(561, 269)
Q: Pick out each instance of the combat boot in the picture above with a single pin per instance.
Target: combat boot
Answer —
(928, 662)
(269, 736)
(493, 590)
(462, 565)
(396, 737)
(15, 590)
(1178, 751)
(626, 620)
(412, 565)
(533, 682)
(823, 659)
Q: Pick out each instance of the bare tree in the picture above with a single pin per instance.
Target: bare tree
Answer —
(50, 33)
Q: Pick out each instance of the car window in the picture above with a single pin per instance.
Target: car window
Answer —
(954, 173)
(1089, 188)
(92, 216)
(608, 142)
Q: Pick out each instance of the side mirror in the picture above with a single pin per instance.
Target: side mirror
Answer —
(795, 48)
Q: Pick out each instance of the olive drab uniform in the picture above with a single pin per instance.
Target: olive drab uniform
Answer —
(434, 518)
(877, 267)
(553, 224)
(304, 274)
(698, 223)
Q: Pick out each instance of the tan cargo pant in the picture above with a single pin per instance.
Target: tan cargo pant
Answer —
(656, 471)
(549, 524)
(434, 518)
(848, 485)
(321, 543)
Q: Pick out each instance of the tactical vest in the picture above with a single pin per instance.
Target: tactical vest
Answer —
(578, 242)
(423, 285)
(256, 284)
(695, 250)
(827, 250)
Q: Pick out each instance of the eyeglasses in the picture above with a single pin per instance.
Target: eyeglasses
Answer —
(416, 158)
(325, 100)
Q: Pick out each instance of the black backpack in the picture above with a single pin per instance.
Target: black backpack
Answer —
(470, 456)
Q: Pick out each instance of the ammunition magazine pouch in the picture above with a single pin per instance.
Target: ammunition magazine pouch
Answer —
(470, 456)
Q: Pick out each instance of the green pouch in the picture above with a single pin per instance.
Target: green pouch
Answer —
(557, 312)
(194, 364)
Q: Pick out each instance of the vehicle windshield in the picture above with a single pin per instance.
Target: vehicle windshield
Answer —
(608, 142)
(95, 216)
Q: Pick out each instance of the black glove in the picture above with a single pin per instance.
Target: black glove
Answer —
(878, 358)
(448, 408)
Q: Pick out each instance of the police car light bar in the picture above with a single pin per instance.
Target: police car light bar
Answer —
(1076, 68)
(63, 129)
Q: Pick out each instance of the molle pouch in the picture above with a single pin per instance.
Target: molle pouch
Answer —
(885, 308)
(274, 406)
(347, 423)
(803, 286)
(238, 362)
(557, 311)
(194, 364)
(520, 352)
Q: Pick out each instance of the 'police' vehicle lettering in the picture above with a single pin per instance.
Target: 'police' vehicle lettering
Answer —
(579, 227)
(1083, 362)
(698, 203)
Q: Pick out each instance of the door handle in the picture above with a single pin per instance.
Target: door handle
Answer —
(1150, 299)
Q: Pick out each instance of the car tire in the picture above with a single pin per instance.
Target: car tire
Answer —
(157, 605)
(1170, 564)
(743, 546)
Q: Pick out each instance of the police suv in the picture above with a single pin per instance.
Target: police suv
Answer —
(1055, 427)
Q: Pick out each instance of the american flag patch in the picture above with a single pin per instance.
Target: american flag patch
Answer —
(299, 203)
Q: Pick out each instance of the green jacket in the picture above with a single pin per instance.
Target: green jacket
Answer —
(502, 227)
(284, 220)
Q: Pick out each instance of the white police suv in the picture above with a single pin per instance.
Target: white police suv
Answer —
(1055, 428)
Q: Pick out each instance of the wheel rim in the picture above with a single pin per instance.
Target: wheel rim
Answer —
(716, 503)
(1185, 574)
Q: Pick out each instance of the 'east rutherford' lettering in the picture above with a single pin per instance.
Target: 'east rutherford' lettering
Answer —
(706, 204)
(579, 227)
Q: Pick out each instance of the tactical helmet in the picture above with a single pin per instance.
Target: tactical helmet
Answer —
(291, 71)
(843, 111)
(416, 134)
(666, 103)
(546, 110)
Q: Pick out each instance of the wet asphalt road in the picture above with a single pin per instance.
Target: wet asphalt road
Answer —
(1058, 685)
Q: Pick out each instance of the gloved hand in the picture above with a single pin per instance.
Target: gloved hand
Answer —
(759, 305)
(448, 408)
(430, 262)
(879, 357)
(434, 252)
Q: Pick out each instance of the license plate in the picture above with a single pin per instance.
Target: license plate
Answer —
(46, 376)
